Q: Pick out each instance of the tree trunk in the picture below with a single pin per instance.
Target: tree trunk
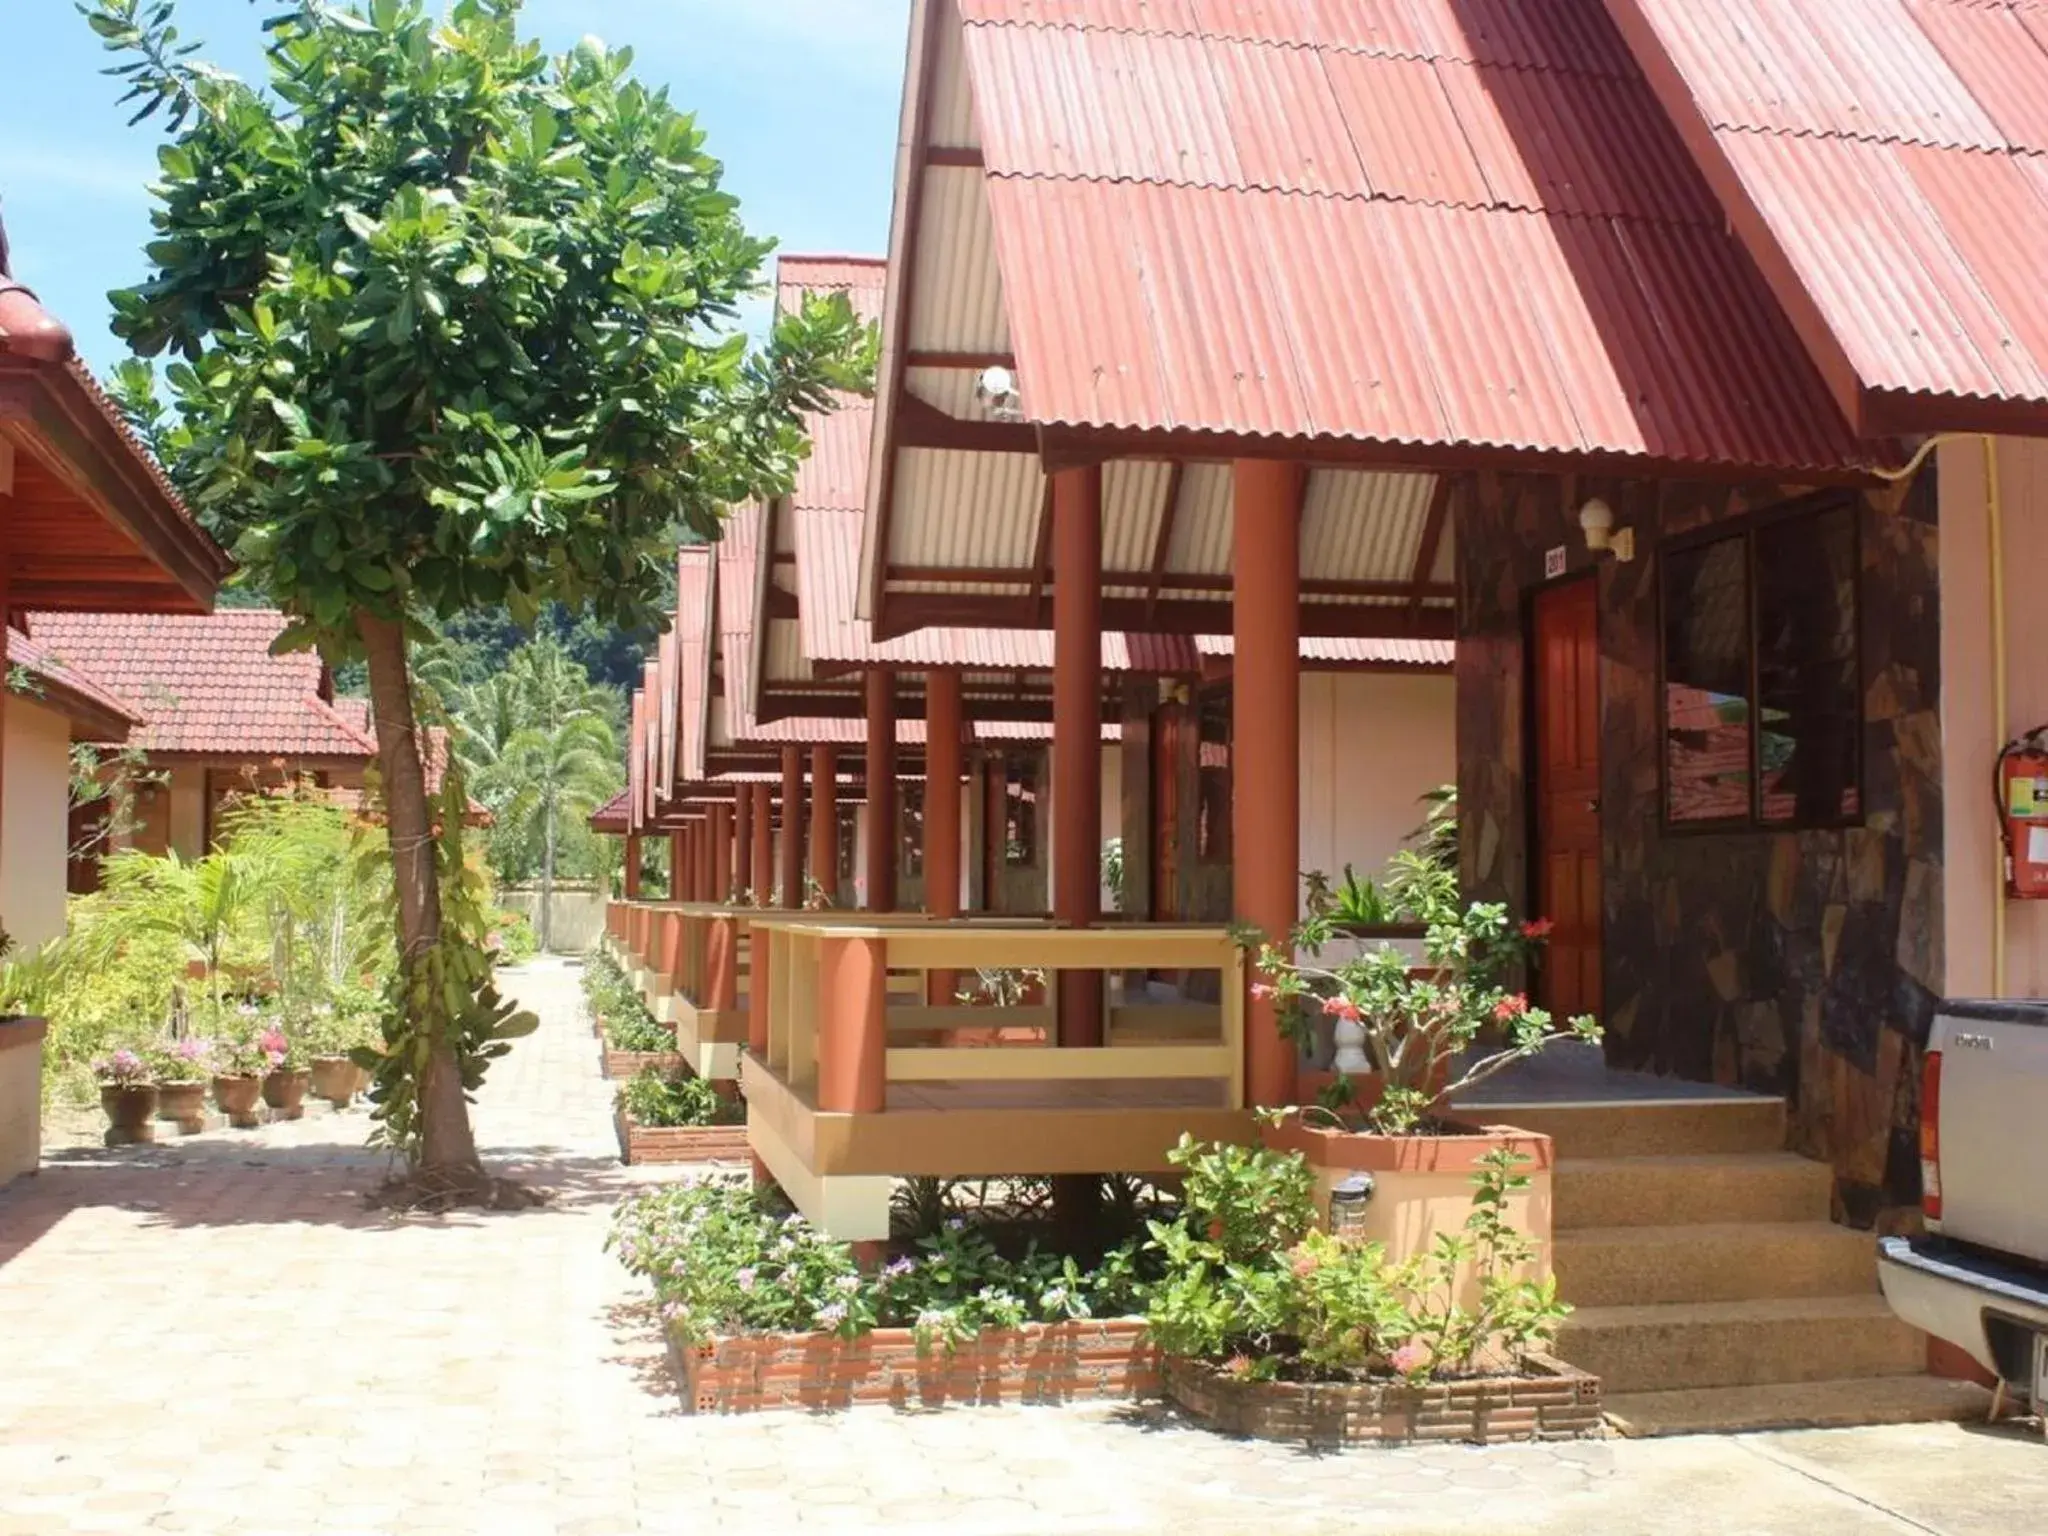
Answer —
(447, 1144)
(547, 876)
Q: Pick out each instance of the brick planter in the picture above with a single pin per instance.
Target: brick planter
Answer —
(1553, 1402)
(642, 1144)
(1039, 1363)
(629, 1064)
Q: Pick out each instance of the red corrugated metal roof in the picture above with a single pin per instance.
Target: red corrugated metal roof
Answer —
(207, 683)
(1884, 159)
(1431, 654)
(1427, 222)
(693, 620)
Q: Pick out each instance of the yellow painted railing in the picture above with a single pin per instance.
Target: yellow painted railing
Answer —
(831, 1014)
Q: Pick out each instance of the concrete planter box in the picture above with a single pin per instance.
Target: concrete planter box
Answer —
(21, 1095)
(1038, 1363)
(643, 1144)
(1422, 1185)
(1551, 1401)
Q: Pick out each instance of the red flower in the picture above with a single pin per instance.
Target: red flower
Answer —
(1264, 991)
(1510, 1008)
(1341, 1008)
(1538, 929)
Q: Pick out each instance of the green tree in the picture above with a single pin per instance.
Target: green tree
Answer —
(556, 771)
(454, 324)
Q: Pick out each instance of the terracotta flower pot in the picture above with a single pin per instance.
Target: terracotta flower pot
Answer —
(130, 1108)
(337, 1080)
(285, 1093)
(238, 1098)
(184, 1103)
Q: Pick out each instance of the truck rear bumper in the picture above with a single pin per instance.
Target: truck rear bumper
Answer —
(1948, 1292)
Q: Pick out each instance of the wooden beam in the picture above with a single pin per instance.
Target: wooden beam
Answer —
(779, 603)
(920, 424)
(963, 157)
(960, 362)
(1432, 538)
(1164, 582)
(1162, 543)
(1042, 560)
(1179, 616)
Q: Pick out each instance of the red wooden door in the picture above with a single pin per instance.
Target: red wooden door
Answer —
(1169, 741)
(1567, 769)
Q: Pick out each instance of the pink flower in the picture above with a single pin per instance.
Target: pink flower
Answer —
(1238, 1367)
(1539, 928)
(1342, 1008)
(1510, 1008)
(1304, 1263)
(1410, 1357)
(1264, 992)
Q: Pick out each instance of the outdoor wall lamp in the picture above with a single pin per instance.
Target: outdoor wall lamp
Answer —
(1596, 521)
(997, 389)
(1348, 1201)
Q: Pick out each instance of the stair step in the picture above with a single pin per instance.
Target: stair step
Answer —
(1706, 1187)
(1740, 1343)
(1712, 1261)
(1799, 1405)
(1648, 1128)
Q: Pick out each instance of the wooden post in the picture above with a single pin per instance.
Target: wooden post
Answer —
(825, 821)
(944, 729)
(763, 861)
(742, 842)
(792, 829)
(719, 855)
(853, 1034)
(1265, 809)
(632, 866)
(882, 850)
(1077, 735)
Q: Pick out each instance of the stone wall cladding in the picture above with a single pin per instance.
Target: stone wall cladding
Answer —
(641, 1145)
(1805, 965)
(1038, 1363)
(1553, 1401)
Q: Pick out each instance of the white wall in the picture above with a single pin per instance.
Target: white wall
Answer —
(35, 823)
(1372, 744)
(187, 789)
(1972, 856)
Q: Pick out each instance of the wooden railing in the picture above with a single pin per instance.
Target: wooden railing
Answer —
(826, 1018)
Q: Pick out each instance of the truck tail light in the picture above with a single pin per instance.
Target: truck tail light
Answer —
(1930, 1136)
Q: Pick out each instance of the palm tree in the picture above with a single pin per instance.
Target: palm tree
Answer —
(549, 773)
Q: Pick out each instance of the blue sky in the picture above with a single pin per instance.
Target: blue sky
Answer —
(799, 99)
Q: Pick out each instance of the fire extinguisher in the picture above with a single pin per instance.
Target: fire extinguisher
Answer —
(2021, 779)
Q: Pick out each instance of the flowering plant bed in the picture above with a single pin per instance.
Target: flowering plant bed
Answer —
(764, 1311)
(1546, 1400)
(676, 1117)
(1034, 1363)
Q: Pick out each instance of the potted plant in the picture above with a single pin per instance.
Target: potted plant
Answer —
(1408, 1039)
(285, 1078)
(327, 1035)
(181, 1068)
(679, 1118)
(128, 1095)
(239, 1066)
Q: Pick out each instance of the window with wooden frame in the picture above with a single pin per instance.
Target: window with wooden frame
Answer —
(1021, 786)
(1212, 779)
(1762, 686)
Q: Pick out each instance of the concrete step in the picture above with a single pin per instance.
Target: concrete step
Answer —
(1740, 1343)
(1712, 1261)
(1799, 1405)
(1705, 1187)
(1646, 1128)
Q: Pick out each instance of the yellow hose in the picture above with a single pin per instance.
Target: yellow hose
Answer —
(2002, 729)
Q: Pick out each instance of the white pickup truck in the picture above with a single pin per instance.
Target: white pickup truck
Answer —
(1979, 1277)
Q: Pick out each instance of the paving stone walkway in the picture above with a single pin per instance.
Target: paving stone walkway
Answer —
(215, 1336)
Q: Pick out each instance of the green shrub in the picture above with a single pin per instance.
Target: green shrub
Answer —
(659, 1102)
